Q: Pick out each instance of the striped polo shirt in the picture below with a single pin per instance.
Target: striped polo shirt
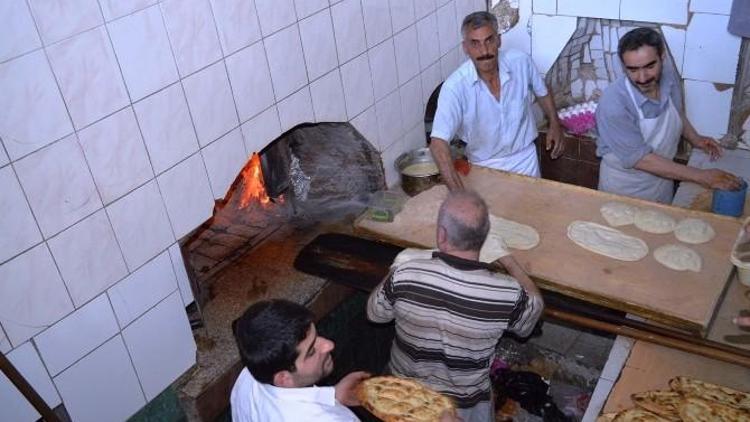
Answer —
(449, 315)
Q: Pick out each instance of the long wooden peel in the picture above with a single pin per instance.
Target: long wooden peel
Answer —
(27, 390)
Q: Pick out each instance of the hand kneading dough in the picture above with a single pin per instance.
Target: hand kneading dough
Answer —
(607, 241)
(618, 213)
(653, 221)
(678, 257)
(694, 230)
(515, 235)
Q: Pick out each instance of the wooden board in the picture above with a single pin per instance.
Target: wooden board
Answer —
(684, 300)
(650, 367)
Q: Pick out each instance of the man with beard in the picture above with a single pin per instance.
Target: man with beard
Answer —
(487, 103)
(640, 120)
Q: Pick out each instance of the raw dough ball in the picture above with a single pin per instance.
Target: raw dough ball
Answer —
(694, 230)
(618, 213)
(515, 235)
(678, 257)
(653, 221)
(607, 241)
(493, 248)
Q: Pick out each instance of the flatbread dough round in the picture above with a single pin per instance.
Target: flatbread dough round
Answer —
(653, 221)
(618, 213)
(494, 247)
(678, 257)
(694, 230)
(607, 241)
(515, 235)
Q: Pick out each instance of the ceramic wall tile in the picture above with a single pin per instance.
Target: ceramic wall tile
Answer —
(449, 63)
(377, 17)
(88, 388)
(711, 52)
(675, 39)
(402, 14)
(167, 128)
(318, 44)
(15, 407)
(116, 155)
(407, 63)
(519, 36)
(464, 7)
(605, 9)
(142, 289)
(383, 64)
(275, 14)
(3, 156)
(349, 27)
(20, 35)
(19, 77)
(186, 292)
(4, 342)
(722, 7)
(261, 130)
(392, 177)
(415, 137)
(89, 76)
(161, 345)
(429, 50)
(390, 125)
(192, 33)
(114, 9)
(14, 404)
(551, 34)
(412, 109)
(251, 80)
(296, 109)
(666, 11)
(88, 257)
(19, 229)
(707, 107)
(357, 81)
(209, 97)
(237, 24)
(64, 193)
(423, 8)
(328, 98)
(430, 81)
(59, 19)
(546, 7)
(187, 195)
(366, 124)
(306, 8)
(141, 225)
(449, 28)
(32, 294)
(286, 61)
(142, 48)
(224, 159)
(77, 334)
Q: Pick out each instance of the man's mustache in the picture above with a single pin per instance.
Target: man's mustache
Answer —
(643, 83)
(487, 57)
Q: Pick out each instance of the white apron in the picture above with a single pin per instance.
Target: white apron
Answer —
(661, 133)
(523, 162)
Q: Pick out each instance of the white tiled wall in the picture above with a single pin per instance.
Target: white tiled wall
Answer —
(123, 121)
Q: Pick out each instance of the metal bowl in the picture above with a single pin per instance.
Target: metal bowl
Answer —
(412, 185)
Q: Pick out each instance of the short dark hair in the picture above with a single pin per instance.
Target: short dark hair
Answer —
(268, 334)
(465, 230)
(637, 38)
(477, 20)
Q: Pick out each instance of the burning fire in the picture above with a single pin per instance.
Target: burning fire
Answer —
(253, 189)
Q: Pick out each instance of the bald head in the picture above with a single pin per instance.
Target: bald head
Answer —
(463, 216)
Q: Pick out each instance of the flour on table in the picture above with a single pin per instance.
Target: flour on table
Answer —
(607, 241)
(678, 257)
(653, 221)
(515, 235)
(694, 230)
(618, 213)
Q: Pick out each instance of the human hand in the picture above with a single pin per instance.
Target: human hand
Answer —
(450, 416)
(346, 388)
(742, 321)
(709, 146)
(719, 179)
(555, 140)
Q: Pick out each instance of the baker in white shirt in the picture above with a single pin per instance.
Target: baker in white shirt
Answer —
(283, 357)
(487, 103)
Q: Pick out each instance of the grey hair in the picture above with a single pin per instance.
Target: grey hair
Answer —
(477, 20)
(465, 218)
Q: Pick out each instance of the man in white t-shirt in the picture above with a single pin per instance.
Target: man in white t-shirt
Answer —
(487, 103)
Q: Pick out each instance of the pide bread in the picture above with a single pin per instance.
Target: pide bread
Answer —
(394, 399)
(692, 387)
(694, 409)
(637, 415)
(664, 403)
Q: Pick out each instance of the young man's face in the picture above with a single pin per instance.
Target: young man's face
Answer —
(643, 67)
(481, 46)
(314, 360)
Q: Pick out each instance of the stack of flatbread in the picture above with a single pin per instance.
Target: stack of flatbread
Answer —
(689, 400)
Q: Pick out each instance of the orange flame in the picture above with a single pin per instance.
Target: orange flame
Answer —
(253, 187)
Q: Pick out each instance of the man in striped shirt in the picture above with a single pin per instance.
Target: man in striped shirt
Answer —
(450, 310)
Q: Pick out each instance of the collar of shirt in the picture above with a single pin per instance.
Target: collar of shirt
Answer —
(665, 91)
(320, 395)
(504, 71)
(461, 263)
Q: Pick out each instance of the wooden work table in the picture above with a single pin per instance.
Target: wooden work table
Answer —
(683, 300)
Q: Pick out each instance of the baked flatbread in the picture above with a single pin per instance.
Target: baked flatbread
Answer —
(664, 403)
(394, 399)
(696, 388)
(637, 415)
(694, 409)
